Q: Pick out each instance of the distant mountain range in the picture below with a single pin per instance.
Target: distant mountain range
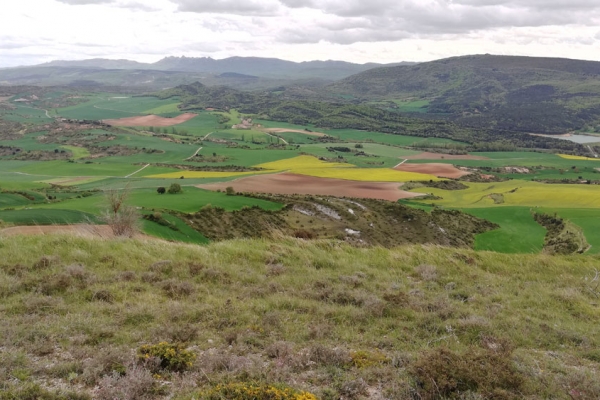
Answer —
(261, 67)
(245, 73)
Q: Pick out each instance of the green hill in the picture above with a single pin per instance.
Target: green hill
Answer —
(101, 319)
(505, 92)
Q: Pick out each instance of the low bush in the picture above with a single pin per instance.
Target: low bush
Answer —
(172, 357)
(243, 391)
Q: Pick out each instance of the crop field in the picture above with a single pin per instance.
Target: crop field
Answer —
(150, 157)
(518, 233)
(46, 217)
(520, 193)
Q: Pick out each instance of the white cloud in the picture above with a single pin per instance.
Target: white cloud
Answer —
(35, 31)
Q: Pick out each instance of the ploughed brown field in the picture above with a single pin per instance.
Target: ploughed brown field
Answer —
(440, 156)
(150, 120)
(437, 169)
(287, 183)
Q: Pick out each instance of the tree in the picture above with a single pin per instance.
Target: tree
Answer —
(174, 188)
(161, 190)
(229, 191)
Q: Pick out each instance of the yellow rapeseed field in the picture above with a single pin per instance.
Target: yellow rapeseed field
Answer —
(312, 166)
(570, 157)
(520, 193)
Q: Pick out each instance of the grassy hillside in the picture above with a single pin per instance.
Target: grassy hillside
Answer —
(320, 317)
(504, 92)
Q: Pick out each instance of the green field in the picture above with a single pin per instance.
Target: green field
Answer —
(191, 200)
(46, 217)
(183, 233)
(143, 156)
(518, 232)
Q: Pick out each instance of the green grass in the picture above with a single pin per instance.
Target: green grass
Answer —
(587, 219)
(319, 316)
(191, 200)
(78, 152)
(45, 217)
(107, 106)
(12, 200)
(61, 168)
(184, 234)
(518, 232)
(416, 106)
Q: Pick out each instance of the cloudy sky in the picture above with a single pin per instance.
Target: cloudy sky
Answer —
(35, 31)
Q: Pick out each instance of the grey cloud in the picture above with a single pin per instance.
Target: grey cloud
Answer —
(85, 2)
(352, 21)
(298, 3)
(239, 7)
(134, 5)
(350, 36)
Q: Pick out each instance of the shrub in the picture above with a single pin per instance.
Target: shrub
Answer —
(122, 219)
(173, 357)
(174, 188)
(229, 191)
(442, 373)
(161, 190)
(243, 391)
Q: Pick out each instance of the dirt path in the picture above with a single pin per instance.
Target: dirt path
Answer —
(400, 163)
(139, 170)
(196, 153)
(277, 137)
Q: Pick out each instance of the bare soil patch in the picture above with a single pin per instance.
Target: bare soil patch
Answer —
(441, 156)
(283, 130)
(150, 120)
(85, 230)
(286, 183)
(437, 169)
(71, 181)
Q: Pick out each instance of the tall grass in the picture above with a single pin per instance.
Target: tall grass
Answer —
(317, 316)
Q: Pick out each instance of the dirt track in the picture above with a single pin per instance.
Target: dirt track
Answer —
(437, 169)
(150, 120)
(283, 130)
(439, 156)
(286, 183)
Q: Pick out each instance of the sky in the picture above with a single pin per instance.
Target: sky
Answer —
(383, 31)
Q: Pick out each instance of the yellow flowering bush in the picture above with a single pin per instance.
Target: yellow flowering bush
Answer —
(242, 391)
(173, 357)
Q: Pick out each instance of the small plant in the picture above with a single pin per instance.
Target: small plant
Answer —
(229, 191)
(365, 359)
(173, 357)
(243, 391)
(161, 190)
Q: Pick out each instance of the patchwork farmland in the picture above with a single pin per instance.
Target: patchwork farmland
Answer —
(68, 153)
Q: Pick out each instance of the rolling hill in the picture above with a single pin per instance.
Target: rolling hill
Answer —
(530, 94)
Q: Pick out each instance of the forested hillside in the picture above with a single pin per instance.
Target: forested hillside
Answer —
(526, 94)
